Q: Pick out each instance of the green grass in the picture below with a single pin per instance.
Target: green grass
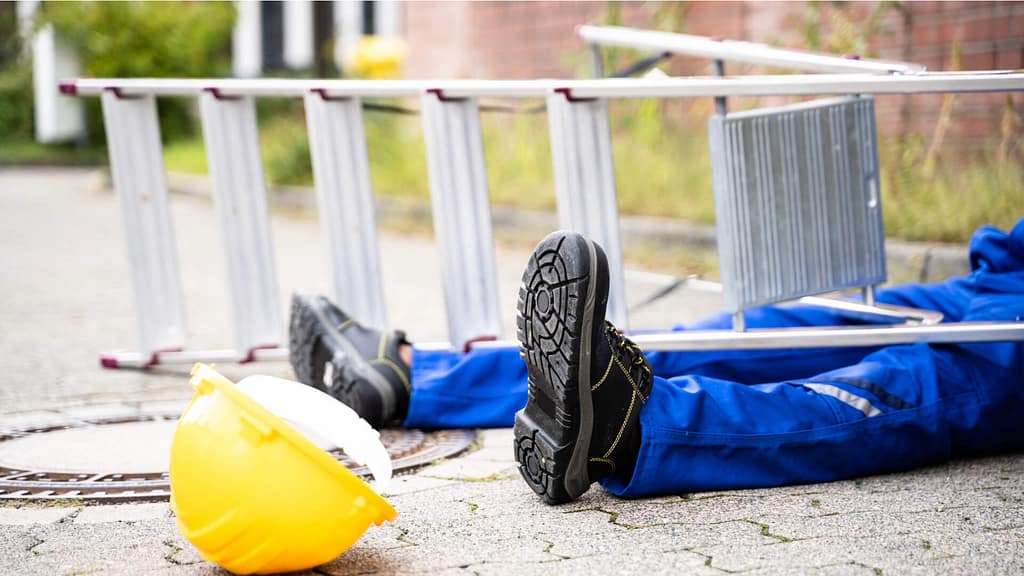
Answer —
(661, 169)
(29, 152)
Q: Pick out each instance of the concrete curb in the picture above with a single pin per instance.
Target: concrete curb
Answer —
(907, 261)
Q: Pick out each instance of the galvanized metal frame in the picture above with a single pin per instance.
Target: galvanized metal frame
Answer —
(266, 330)
(798, 208)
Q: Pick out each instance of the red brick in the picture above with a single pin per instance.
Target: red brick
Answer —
(1017, 24)
(978, 61)
(1010, 59)
(982, 29)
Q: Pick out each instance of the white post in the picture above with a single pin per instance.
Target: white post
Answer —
(247, 40)
(388, 18)
(298, 34)
(348, 30)
(57, 118)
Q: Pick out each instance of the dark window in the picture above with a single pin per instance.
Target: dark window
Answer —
(323, 38)
(369, 17)
(272, 28)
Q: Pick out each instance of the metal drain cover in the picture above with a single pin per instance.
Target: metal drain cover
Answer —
(124, 458)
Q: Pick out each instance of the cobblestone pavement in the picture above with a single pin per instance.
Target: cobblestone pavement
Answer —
(66, 299)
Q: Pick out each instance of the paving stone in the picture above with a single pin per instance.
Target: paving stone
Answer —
(496, 438)
(122, 513)
(31, 515)
(412, 483)
(99, 411)
(476, 516)
(470, 469)
(31, 417)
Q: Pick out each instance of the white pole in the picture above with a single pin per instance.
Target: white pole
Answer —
(348, 29)
(388, 18)
(298, 34)
(57, 118)
(247, 40)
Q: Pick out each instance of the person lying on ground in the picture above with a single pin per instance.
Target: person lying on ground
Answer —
(587, 405)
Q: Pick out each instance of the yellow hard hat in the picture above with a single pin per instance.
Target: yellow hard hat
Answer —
(378, 57)
(255, 495)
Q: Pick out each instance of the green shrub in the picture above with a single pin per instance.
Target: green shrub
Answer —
(16, 101)
(147, 39)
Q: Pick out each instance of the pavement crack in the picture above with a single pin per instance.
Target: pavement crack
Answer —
(875, 571)
(70, 517)
(1001, 528)
(766, 531)
(613, 518)
(173, 551)
(549, 547)
(32, 547)
(403, 538)
(496, 477)
(686, 498)
(709, 562)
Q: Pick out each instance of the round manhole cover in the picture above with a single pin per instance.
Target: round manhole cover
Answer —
(125, 458)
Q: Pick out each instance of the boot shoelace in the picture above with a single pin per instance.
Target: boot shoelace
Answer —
(638, 366)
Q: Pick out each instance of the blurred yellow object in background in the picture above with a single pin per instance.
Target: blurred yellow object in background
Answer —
(379, 57)
(253, 494)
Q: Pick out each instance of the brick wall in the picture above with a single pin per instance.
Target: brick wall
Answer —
(536, 40)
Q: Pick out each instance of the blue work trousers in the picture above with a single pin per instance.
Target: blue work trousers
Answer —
(740, 419)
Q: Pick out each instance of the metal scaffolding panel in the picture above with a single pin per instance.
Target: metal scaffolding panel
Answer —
(233, 152)
(581, 151)
(462, 217)
(137, 167)
(797, 201)
(341, 170)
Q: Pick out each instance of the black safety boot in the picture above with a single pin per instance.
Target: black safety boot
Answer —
(587, 382)
(357, 365)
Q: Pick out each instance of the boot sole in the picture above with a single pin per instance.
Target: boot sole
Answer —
(307, 326)
(554, 326)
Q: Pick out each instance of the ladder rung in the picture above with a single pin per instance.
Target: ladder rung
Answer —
(462, 216)
(341, 169)
(137, 167)
(232, 148)
(581, 152)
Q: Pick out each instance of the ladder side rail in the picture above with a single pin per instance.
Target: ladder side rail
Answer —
(137, 168)
(738, 51)
(232, 148)
(341, 173)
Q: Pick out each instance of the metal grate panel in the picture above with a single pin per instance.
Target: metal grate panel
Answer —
(797, 201)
